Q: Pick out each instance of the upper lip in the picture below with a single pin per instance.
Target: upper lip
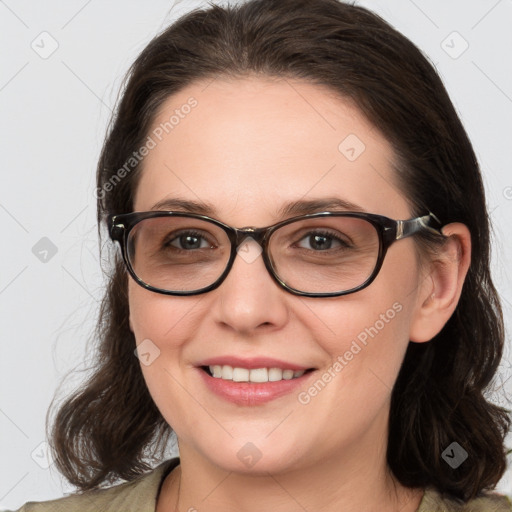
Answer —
(252, 362)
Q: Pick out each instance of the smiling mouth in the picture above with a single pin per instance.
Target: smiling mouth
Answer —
(256, 375)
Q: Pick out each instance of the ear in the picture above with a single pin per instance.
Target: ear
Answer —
(441, 287)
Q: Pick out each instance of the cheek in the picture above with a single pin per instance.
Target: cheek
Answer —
(168, 325)
(366, 334)
(158, 323)
(162, 325)
(156, 316)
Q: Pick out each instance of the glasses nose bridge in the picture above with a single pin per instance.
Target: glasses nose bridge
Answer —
(257, 234)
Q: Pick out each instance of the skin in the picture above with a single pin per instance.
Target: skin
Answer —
(250, 146)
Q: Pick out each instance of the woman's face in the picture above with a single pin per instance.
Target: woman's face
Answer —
(248, 148)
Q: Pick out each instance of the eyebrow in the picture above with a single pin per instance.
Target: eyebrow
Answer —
(299, 207)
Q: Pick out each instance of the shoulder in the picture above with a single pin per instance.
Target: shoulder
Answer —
(434, 501)
(138, 495)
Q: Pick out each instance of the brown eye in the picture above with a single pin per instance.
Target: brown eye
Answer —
(322, 241)
(188, 240)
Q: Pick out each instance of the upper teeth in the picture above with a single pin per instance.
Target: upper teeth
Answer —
(235, 374)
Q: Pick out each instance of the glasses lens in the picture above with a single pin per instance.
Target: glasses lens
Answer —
(178, 253)
(325, 254)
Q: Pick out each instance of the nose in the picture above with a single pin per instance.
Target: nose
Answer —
(249, 299)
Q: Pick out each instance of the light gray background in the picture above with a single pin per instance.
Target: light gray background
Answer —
(54, 112)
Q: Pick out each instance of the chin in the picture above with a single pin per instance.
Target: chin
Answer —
(253, 458)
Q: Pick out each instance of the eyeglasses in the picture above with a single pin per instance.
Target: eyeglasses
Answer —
(325, 254)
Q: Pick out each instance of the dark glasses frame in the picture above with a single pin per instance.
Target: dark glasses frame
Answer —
(388, 230)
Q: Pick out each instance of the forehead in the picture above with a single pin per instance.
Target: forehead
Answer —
(246, 146)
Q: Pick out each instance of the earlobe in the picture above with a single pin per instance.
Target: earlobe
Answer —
(439, 293)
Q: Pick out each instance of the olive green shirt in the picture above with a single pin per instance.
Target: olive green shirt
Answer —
(141, 496)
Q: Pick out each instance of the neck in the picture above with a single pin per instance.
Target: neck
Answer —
(354, 479)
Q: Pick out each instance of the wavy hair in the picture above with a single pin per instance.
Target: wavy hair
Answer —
(111, 429)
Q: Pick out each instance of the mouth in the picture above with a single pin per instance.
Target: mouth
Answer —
(250, 381)
(253, 375)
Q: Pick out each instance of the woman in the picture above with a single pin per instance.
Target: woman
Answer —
(303, 276)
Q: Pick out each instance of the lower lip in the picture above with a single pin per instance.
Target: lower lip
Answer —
(251, 393)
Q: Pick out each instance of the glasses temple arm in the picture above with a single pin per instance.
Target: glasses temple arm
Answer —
(407, 228)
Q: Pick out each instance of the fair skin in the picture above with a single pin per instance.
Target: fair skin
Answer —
(250, 146)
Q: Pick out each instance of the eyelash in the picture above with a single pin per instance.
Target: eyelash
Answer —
(167, 242)
(326, 234)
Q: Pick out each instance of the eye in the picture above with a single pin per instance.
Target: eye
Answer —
(187, 240)
(322, 241)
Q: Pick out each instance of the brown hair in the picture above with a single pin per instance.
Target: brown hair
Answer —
(112, 429)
